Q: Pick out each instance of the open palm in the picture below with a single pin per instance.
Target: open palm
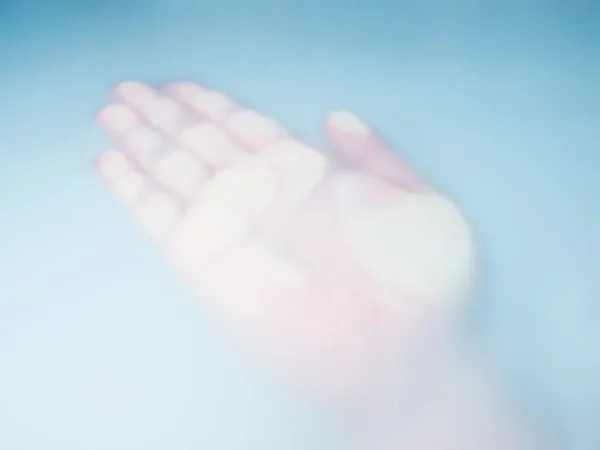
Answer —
(328, 266)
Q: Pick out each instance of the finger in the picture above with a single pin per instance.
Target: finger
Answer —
(193, 235)
(209, 123)
(152, 107)
(358, 146)
(158, 115)
(263, 294)
(121, 177)
(300, 165)
(176, 169)
(156, 212)
(361, 231)
(139, 140)
(252, 129)
(238, 199)
(221, 216)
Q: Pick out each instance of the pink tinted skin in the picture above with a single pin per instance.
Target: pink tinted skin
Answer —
(368, 153)
(284, 281)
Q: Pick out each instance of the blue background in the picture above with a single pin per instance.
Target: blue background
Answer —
(498, 102)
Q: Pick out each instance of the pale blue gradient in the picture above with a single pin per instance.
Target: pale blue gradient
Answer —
(497, 102)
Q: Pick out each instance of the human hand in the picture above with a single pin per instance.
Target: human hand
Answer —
(330, 267)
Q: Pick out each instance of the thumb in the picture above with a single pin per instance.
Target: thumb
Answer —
(358, 146)
(418, 243)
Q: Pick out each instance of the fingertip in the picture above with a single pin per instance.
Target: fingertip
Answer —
(360, 147)
(346, 122)
(111, 164)
(134, 92)
(181, 88)
(117, 117)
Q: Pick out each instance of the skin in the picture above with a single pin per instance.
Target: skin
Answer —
(258, 224)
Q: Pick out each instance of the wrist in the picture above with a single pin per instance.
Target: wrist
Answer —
(450, 401)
